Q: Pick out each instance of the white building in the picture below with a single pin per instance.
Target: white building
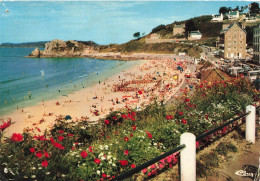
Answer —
(232, 15)
(195, 35)
(217, 17)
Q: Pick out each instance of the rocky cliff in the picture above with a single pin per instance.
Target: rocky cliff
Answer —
(60, 48)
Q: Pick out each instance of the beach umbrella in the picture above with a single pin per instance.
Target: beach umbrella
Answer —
(67, 117)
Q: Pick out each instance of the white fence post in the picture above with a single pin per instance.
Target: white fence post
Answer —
(250, 124)
(188, 157)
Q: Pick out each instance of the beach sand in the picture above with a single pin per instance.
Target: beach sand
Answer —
(134, 88)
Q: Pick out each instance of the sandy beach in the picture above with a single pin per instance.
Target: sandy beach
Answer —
(134, 88)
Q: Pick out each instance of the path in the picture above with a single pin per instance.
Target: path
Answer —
(250, 159)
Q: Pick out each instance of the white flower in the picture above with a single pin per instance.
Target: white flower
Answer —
(106, 147)
(33, 176)
(25, 176)
(100, 155)
(109, 153)
(155, 144)
(101, 147)
(6, 170)
(47, 173)
(110, 162)
(33, 168)
(113, 165)
(98, 172)
(103, 158)
(63, 175)
(39, 168)
(109, 156)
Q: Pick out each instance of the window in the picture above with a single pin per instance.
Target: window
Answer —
(235, 42)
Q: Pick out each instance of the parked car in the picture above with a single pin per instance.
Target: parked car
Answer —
(227, 61)
(253, 74)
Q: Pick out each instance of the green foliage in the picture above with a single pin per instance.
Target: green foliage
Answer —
(254, 8)
(225, 148)
(223, 10)
(136, 35)
(158, 28)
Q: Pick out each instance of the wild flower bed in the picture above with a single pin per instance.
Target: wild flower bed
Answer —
(124, 140)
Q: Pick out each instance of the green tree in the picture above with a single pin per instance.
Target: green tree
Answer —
(158, 28)
(254, 8)
(136, 35)
(223, 10)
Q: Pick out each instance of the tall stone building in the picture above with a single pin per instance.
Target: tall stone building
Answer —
(234, 39)
(256, 44)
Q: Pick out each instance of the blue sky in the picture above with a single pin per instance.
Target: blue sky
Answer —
(101, 21)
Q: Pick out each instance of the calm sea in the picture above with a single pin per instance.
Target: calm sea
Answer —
(47, 78)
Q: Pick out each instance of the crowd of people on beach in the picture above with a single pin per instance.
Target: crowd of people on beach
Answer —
(159, 78)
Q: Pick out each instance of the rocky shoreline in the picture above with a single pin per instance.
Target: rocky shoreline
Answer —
(71, 48)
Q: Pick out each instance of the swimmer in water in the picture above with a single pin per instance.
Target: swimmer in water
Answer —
(29, 94)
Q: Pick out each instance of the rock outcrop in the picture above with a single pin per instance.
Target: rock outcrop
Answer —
(36, 53)
(60, 48)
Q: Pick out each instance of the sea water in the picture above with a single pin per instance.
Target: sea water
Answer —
(48, 78)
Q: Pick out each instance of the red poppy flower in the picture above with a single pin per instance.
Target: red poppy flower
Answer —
(38, 154)
(44, 163)
(131, 135)
(70, 135)
(140, 92)
(197, 144)
(17, 137)
(126, 139)
(84, 154)
(133, 113)
(149, 135)
(60, 138)
(104, 175)
(114, 117)
(107, 122)
(134, 127)
(180, 113)
(186, 100)
(61, 131)
(184, 121)
(126, 152)
(133, 166)
(123, 162)
(5, 125)
(169, 117)
(46, 154)
(124, 116)
(90, 149)
(32, 150)
(97, 161)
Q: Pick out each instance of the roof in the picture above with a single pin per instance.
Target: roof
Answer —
(225, 30)
(233, 13)
(195, 33)
(216, 15)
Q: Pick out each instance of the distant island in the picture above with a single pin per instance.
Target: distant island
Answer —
(39, 44)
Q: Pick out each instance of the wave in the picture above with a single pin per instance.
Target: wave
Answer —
(11, 80)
